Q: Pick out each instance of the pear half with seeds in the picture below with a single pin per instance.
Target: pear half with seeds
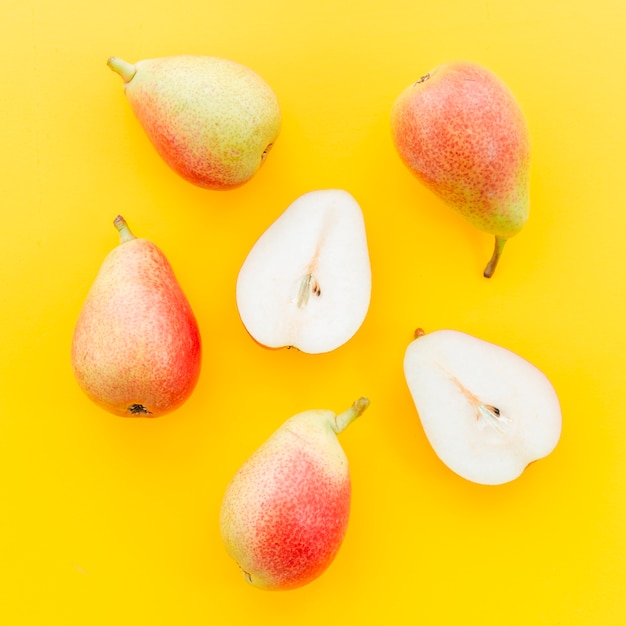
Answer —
(487, 412)
(306, 283)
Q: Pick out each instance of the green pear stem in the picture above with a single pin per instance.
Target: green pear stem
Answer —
(493, 262)
(342, 420)
(124, 69)
(125, 233)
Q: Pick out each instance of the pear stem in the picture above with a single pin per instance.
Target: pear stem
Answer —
(125, 233)
(124, 69)
(493, 262)
(342, 420)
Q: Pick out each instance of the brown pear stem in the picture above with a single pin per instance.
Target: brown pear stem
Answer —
(124, 69)
(342, 420)
(125, 233)
(493, 262)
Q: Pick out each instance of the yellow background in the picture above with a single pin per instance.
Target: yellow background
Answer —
(112, 521)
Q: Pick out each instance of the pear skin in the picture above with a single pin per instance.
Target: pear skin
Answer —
(212, 120)
(136, 348)
(461, 131)
(285, 513)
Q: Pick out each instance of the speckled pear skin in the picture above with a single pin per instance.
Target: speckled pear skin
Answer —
(461, 131)
(285, 513)
(212, 120)
(136, 348)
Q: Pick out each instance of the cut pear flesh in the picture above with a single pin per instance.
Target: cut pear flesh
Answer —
(306, 282)
(486, 411)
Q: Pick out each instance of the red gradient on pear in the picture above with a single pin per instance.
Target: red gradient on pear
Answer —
(136, 349)
(461, 131)
(285, 513)
(299, 531)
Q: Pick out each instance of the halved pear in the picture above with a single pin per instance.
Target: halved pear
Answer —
(306, 282)
(486, 411)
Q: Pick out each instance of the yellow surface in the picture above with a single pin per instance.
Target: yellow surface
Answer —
(112, 521)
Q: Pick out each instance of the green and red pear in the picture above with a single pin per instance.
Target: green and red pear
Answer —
(212, 120)
(285, 513)
(136, 347)
(461, 131)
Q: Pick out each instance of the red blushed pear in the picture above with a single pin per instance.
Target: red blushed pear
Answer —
(285, 513)
(136, 348)
(461, 131)
(212, 120)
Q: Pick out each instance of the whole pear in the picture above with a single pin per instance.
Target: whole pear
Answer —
(212, 120)
(285, 513)
(461, 131)
(136, 347)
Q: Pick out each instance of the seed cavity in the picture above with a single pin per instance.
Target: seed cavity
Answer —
(492, 416)
(487, 415)
(308, 286)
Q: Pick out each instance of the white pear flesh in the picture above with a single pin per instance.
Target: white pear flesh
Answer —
(487, 412)
(306, 282)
